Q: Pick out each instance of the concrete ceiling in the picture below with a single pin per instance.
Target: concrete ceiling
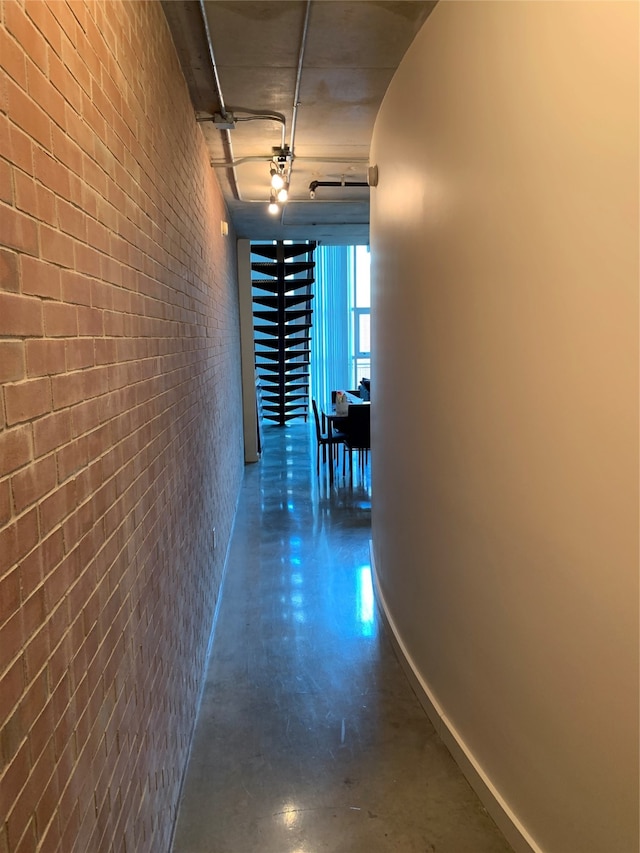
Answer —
(324, 65)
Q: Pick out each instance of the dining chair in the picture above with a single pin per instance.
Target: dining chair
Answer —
(357, 431)
(324, 441)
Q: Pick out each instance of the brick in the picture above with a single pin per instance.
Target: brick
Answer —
(40, 15)
(12, 736)
(26, 193)
(78, 131)
(98, 441)
(30, 484)
(46, 205)
(11, 637)
(18, 539)
(66, 150)
(113, 324)
(5, 506)
(71, 220)
(21, 149)
(52, 549)
(87, 260)
(15, 449)
(94, 177)
(101, 294)
(40, 730)
(58, 663)
(14, 779)
(12, 59)
(51, 173)
(77, 193)
(27, 115)
(67, 390)
(36, 652)
(77, 526)
(85, 417)
(18, 231)
(12, 684)
(105, 351)
(60, 320)
(12, 367)
(35, 697)
(75, 63)
(45, 357)
(27, 843)
(26, 34)
(43, 92)
(66, 21)
(56, 246)
(22, 812)
(31, 572)
(20, 315)
(51, 432)
(112, 271)
(59, 581)
(27, 400)
(9, 595)
(79, 354)
(72, 458)
(9, 279)
(49, 842)
(96, 382)
(76, 288)
(57, 507)
(5, 137)
(98, 236)
(6, 184)
(90, 322)
(39, 278)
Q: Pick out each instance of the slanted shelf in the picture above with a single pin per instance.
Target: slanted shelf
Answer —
(282, 279)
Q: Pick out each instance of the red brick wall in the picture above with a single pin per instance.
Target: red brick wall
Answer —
(120, 424)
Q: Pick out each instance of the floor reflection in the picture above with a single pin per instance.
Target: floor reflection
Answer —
(309, 737)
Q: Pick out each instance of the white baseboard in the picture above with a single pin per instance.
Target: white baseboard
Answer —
(506, 820)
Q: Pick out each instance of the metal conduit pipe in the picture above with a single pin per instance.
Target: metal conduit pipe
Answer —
(315, 184)
(296, 93)
(255, 115)
(226, 136)
(267, 158)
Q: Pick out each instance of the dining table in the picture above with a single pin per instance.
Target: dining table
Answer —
(333, 419)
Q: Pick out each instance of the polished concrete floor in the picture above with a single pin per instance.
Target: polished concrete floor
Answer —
(309, 737)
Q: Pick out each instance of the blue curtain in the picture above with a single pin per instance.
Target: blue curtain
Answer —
(331, 331)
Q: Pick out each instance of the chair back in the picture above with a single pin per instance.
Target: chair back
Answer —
(358, 427)
(317, 419)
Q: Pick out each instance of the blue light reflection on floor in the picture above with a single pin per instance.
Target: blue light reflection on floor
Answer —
(364, 600)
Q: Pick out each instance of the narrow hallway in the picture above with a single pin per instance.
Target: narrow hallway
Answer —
(309, 736)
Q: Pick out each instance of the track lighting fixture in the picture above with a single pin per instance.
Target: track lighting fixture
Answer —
(279, 178)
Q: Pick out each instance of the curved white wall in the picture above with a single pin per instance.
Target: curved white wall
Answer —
(505, 308)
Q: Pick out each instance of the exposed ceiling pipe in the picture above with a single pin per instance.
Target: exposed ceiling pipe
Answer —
(267, 158)
(296, 93)
(255, 115)
(226, 136)
(313, 186)
(228, 121)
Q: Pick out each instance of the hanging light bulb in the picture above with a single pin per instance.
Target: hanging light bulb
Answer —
(273, 204)
(283, 194)
(277, 180)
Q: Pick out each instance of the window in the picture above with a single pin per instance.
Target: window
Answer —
(341, 339)
(361, 354)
